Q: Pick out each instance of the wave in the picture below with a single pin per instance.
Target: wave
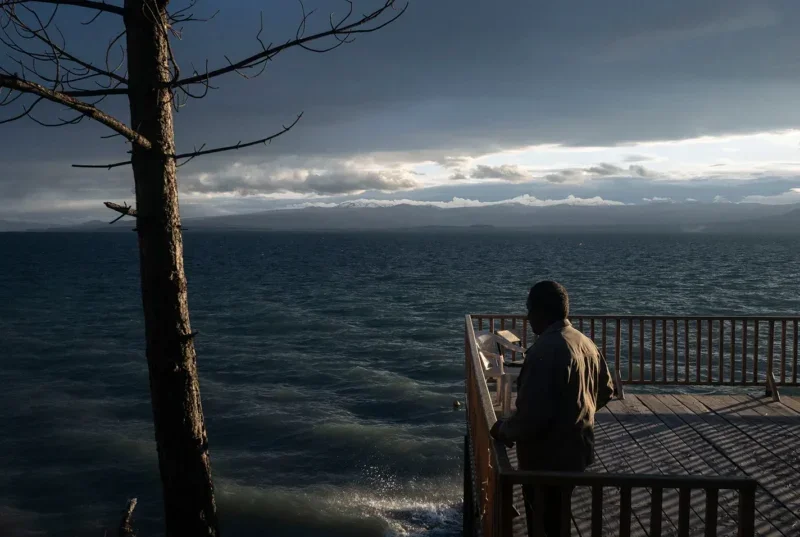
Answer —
(388, 385)
(384, 439)
(381, 507)
(16, 522)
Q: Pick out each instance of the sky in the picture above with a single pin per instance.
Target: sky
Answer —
(459, 102)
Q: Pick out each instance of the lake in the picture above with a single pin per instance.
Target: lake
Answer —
(328, 362)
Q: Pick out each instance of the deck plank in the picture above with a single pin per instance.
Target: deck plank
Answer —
(608, 458)
(791, 402)
(781, 423)
(698, 435)
(698, 457)
(645, 428)
(622, 455)
(581, 507)
(772, 455)
(654, 439)
(750, 456)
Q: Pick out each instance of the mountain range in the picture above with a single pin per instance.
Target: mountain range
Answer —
(689, 217)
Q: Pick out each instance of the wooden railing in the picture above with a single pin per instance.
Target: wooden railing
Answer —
(625, 483)
(481, 452)
(663, 349)
(489, 477)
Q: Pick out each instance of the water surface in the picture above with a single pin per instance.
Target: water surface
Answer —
(328, 363)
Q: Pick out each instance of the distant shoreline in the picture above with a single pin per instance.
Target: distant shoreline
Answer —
(737, 219)
(461, 230)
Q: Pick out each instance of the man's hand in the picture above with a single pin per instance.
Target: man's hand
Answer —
(495, 433)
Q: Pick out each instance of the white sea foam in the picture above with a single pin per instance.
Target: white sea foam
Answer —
(383, 507)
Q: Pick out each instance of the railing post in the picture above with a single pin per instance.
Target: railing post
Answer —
(504, 387)
(625, 511)
(565, 516)
(655, 511)
(505, 506)
(756, 332)
(770, 350)
(684, 504)
(712, 501)
(468, 527)
(747, 509)
(597, 510)
(538, 513)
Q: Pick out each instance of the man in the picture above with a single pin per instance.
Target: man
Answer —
(563, 382)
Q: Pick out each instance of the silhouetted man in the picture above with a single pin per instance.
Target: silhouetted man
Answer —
(561, 385)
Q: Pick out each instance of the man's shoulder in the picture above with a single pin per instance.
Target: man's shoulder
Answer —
(572, 341)
(553, 343)
(564, 336)
(570, 333)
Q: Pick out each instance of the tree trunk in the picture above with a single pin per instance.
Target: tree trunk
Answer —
(180, 432)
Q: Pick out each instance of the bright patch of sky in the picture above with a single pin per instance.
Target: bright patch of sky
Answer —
(734, 157)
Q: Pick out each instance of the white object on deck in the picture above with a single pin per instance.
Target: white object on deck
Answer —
(509, 340)
(494, 367)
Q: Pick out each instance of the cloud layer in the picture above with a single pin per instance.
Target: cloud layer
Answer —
(459, 203)
(453, 98)
(254, 180)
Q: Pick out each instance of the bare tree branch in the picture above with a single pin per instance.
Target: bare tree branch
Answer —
(240, 145)
(95, 93)
(57, 51)
(181, 16)
(64, 70)
(201, 151)
(16, 83)
(191, 158)
(123, 210)
(340, 30)
(25, 112)
(103, 166)
(89, 4)
(90, 21)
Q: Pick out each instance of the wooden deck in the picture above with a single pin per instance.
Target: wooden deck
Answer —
(709, 435)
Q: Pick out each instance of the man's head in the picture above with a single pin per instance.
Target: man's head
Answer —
(548, 303)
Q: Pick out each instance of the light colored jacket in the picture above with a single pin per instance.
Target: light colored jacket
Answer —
(562, 384)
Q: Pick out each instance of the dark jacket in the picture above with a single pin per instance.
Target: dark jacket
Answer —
(563, 382)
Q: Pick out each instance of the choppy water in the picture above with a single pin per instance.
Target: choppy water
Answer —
(329, 363)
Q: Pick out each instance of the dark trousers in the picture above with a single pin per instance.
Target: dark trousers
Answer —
(552, 509)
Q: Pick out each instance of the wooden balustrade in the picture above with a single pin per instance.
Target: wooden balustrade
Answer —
(625, 483)
(481, 485)
(667, 349)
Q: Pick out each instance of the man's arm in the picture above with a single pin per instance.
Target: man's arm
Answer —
(540, 384)
(605, 383)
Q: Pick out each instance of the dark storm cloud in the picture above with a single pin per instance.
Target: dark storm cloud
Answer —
(452, 162)
(468, 76)
(464, 77)
(513, 173)
(637, 158)
(507, 172)
(603, 169)
(250, 182)
(342, 183)
(564, 176)
(640, 171)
